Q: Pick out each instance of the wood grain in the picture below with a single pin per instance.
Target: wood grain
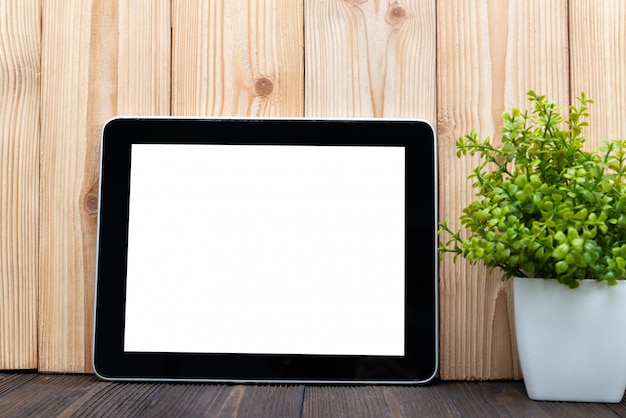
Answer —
(509, 399)
(19, 181)
(26, 395)
(99, 59)
(598, 65)
(370, 58)
(377, 401)
(490, 53)
(237, 58)
(227, 401)
(67, 66)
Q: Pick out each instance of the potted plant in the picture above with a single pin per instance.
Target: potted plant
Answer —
(552, 215)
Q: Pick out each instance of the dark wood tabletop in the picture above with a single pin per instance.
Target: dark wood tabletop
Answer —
(31, 394)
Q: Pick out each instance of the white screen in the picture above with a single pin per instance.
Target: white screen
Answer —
(266, 250)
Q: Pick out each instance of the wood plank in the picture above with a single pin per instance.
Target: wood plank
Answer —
(490, 53)
(48, 395)
(83, 395)
(99, 59)
(80, 395)
(370, 58)
(342, 401)
(377, 401)
(19, 181)
(598, 65)
(505, 398)
(241, 58)
(226, 401)
(144, 58)
(12, 380)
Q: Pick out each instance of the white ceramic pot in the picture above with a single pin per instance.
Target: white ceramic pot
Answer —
(571, 342)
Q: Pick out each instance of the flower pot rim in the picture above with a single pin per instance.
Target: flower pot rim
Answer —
(551, 278)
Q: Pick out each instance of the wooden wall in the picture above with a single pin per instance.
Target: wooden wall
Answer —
(67, 66)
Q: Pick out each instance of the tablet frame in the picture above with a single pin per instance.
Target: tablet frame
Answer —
(420, 362)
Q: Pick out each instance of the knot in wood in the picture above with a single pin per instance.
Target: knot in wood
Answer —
(395, 15)
(263, 86)
(91, 204)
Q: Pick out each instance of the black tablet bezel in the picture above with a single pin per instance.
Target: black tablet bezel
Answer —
(420, 363)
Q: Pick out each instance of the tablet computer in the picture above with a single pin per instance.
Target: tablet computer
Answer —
(267, 250)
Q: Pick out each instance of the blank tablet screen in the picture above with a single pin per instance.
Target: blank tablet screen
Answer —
(310, 240)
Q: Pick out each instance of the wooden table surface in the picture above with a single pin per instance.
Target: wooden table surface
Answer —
(33, 394)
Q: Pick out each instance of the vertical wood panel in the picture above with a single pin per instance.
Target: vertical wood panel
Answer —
(364, 58)
(370, 58)
(99, 59)
(237, 58)
(490, 53)
(19, 181)
(598, 65)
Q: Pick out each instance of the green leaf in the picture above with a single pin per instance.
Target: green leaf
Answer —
(561, 251)
(561, 267)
